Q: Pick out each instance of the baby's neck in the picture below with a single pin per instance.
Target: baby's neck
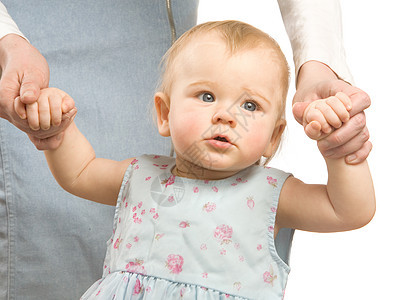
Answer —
(187, 169)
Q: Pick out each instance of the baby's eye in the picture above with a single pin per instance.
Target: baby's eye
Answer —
(250, 106)
(206, 97)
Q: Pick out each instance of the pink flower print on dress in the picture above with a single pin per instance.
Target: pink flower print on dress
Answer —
(174, 263)
(239, 180)
(171, 199)
(152, 210)
(273, 209)
(156, 156)
(205, 275)
(269, 277)
(223, 251)
(203, 247)
(196, 189)
(156, 216)
(223, 233)
(137, 287)
(169, 181)
(139, 205)
(209, 207)
(250, 202)
(117, 243)
(148, 178)
(136, 167)
(136, 239)
(184, 224)
(134, 161)
(259, 247)
(272, 181)
(128, 246)
(136, 267)
(159, 236)
(215, 189)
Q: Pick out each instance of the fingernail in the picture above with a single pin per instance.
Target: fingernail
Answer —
(329, 153)
(351, 158)
(29, 94)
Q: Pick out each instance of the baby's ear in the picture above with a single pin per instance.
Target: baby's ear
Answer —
(162, 111)
(275, 139)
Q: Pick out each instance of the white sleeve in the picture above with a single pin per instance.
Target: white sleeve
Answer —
(315, 32)
(7, 25)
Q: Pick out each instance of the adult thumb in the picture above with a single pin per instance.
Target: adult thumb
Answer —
(30, 87)
(298, 109)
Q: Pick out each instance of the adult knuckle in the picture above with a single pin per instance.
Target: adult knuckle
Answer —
(359, 120)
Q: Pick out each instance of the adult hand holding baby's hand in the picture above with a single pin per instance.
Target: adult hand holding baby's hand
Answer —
(322, 116)
(54, 109)
(317, 81)
(24, 73)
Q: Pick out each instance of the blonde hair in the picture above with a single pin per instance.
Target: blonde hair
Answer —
(238, 36)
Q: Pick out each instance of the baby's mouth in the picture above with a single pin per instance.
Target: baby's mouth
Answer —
(221, 139)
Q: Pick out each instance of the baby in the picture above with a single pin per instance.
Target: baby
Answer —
(214, 222)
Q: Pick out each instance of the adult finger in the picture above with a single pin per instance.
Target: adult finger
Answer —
(298, 109)
(50, 143)
(359, 99)
(360, 155)
(343, 135)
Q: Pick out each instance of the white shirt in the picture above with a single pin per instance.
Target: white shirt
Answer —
(314, 29)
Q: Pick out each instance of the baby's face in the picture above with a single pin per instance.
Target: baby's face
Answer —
(224, 108)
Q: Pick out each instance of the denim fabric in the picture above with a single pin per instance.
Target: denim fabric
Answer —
(105, 54)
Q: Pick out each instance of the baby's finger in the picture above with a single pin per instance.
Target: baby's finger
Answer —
(315, 114)
(339, 108)
(67, 103)
(55, 108)
(344, 99)
(330, 116)
(32, 113)
(19, 108)
(44, 112)
(313, 130)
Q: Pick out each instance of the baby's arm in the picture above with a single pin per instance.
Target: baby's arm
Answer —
(73, 163)
(347, 201)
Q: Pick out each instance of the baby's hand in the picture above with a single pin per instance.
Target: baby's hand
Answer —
(47, 110)
(322, 116)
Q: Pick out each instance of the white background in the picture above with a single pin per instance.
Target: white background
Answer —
(378, 261)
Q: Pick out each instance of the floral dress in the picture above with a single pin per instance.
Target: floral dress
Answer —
(181, 238)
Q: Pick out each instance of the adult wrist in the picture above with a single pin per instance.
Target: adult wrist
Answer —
(312, 72)
(7, 44)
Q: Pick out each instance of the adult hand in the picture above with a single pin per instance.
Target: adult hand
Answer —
(317, 81)
(24, 72)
